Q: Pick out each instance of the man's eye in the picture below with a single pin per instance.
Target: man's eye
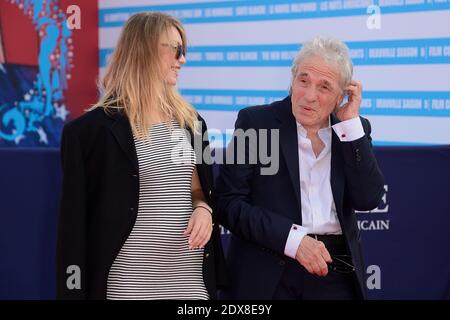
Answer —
(325, 88)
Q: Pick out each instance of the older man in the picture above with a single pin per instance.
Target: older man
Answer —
(294, 233)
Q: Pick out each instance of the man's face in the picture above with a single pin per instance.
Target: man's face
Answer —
(315, 92)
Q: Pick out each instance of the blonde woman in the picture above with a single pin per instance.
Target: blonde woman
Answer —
(135, 223)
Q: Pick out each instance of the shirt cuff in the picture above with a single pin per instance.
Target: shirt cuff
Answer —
(293, 241)
(349, 130)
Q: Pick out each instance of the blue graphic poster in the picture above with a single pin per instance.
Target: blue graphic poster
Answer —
(32, 104)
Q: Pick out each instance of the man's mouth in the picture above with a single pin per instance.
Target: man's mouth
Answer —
(307, 108)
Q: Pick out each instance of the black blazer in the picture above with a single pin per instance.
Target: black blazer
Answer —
(99, 203)
(259, 210)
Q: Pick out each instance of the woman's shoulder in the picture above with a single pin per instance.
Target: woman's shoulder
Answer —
(91, 119)
(91, 129)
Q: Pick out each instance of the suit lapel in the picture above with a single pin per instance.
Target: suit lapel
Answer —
(337, 168)
(121, 130)
(289, 143)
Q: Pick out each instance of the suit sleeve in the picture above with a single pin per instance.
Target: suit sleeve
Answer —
(365, 182)
(236, 211)
(71, 237)
(207, 177)
(207, 181)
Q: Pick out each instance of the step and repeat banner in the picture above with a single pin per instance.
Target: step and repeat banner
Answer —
(240, 53)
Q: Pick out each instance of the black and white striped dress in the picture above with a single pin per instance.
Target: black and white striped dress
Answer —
(155, 261)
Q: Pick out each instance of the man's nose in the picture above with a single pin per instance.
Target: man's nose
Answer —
(310, 94)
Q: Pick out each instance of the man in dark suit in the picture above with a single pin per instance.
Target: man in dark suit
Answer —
(294, 233)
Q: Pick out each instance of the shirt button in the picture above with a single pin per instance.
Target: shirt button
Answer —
(281, 263)
(343, 135)
(131, 209)
(294, 227)
(206, 255)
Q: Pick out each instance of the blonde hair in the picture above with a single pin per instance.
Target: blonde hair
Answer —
(134, 81)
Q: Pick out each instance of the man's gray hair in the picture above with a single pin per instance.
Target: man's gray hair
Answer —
(333, 51)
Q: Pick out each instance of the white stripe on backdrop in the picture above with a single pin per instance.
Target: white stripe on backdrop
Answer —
(424, 75)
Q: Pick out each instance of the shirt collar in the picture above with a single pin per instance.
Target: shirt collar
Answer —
(322, 131)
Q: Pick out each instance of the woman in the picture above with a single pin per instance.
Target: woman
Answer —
(136, 222)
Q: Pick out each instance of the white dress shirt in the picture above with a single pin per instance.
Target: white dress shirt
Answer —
(318, 208)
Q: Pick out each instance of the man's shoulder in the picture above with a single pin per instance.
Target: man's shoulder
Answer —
(265, 110)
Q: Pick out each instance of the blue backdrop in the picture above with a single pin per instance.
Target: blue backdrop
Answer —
(405, 240)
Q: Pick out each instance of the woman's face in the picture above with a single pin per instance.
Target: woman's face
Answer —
(170, 44)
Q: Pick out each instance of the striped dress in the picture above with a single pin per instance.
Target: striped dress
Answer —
(155, 261)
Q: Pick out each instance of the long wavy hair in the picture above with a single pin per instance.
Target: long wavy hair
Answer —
(134, 81)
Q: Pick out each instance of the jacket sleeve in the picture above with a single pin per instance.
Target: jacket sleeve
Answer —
(365, 182)
(71, 235)
(205, 171)
(236, 211)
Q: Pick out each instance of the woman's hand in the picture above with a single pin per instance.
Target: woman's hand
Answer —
(199, 228)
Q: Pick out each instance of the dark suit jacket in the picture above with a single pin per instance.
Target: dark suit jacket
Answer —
(259, 210)
(99, 203)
